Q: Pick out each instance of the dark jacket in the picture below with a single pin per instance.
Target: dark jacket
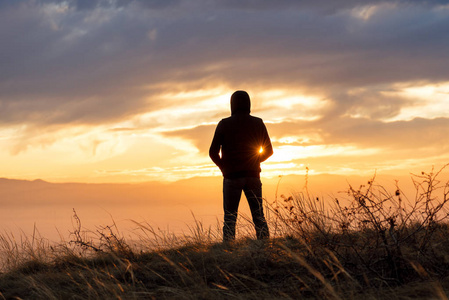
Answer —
(240, 137)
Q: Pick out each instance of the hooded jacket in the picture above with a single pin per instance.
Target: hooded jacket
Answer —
(240, 138)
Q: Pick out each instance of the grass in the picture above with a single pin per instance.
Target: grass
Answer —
(368, 243)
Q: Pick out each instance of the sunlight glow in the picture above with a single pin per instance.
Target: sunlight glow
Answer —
(136, 149)
(186, 109)
(277, 105)
(290, 99)
(288, 153)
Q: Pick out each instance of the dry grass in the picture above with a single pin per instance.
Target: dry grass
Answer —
(370, 244)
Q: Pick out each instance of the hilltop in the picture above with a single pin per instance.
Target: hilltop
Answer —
(370, 244)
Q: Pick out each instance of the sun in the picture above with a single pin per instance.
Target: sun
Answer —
(261, 149)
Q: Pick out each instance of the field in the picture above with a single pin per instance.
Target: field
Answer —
(370, 243)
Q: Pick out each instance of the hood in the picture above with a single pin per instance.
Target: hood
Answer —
(240, 102)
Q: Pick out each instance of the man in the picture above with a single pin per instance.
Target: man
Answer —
(244, 143)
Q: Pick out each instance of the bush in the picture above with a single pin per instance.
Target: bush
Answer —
(377, 234)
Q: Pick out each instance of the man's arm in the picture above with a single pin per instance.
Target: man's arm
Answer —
(266, 145)
(214, 150)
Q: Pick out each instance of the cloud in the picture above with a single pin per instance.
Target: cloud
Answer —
(415, 134)
(362, 133)
(103, 62)
(200, 136)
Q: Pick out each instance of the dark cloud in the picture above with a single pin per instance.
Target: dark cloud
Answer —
(323, 6)
(89, 62)
(85, 4)
(146, 4)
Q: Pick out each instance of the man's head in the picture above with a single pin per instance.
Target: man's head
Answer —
(240, 102)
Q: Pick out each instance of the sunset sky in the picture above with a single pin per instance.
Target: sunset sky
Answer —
(131, 91)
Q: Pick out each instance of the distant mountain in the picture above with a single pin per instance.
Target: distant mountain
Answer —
(25, 204)
(193, 190)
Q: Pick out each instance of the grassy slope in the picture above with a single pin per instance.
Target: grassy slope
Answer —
(372, 245)
(283, 268)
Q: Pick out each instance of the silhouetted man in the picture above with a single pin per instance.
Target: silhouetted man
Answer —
(244, 144)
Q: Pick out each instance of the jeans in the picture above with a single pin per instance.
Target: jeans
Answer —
(232, 191)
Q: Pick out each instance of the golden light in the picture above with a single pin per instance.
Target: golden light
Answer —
(261, 150)
(426, 101)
